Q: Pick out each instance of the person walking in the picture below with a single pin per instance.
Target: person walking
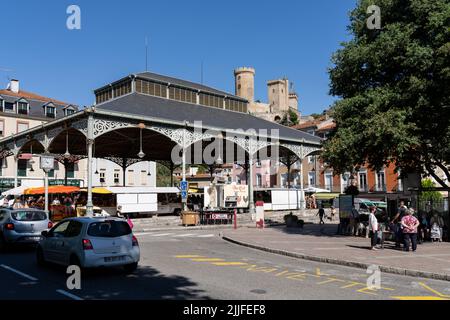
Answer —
(410, 225)
(332, 213)
(397, 221)
(373, 228)
(321, 214)
(437, 223)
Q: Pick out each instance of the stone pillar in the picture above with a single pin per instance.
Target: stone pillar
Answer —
(90, 142)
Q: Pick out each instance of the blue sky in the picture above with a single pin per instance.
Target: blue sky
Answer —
(278, 38)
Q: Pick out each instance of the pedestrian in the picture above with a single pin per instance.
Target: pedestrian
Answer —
(373, 228)
(423, 228)
(332, 213)
(410, 225)
(321, 214)
(437, 223)
(397, 221)
(353, 222)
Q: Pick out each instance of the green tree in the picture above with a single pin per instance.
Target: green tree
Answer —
(163, 178)
(430, 195)
(289, 119)
(393, 88)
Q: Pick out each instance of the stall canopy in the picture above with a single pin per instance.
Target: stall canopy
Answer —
(316, 190)
(327, 196)
(98, 191)
(15, 192)
(51, 190)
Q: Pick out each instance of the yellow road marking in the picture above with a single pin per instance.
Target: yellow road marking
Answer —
(298, 276)
(207, 260)
(281, 273)
(419, 298)
(331, 280)
(187, 257)
(318, 273)
(364, 290)
(352, 284)
(434, 291)
(224, 264)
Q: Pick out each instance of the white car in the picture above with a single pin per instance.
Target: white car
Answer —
(90, 243)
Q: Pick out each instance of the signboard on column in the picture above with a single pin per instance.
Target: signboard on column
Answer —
(260, 214)
(184, 186)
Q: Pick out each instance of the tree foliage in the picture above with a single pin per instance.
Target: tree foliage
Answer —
(428, 194)
(393, 86)
(289, 119)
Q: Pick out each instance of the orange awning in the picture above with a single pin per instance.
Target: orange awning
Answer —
(51, 190)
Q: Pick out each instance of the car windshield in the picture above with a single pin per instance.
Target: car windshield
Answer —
(29, 215)
(109, 229)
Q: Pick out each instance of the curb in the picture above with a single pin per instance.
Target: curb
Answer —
(181, 228)
(360, 265)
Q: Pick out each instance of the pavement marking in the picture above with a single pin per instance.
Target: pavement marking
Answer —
(364, 290)
(161, 234)
(434, 291)
(188, 256)
(184, 235)
(419, 298)
(229, 264)
(143, 234)
(207, 260)
(206, 236)
(69, 295)
(281, 273)
(19, 272)
(330, 280)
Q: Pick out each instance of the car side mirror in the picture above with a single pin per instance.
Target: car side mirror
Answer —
(45, 234)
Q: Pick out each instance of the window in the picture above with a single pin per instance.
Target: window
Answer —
(329, 181)
(103, 96)
(2, 128)
(131, 177)
(363, 181)
(235, 105)
(51, 173)
(22, 107)
(69, 112)
(311, 179)
(109, 229)
(102, 176)
(50, 111)
(258, 163)
(311, 159)
(122, 89)
(70, 170)
(258, 180)
(381, 181)
(116, 178)
(74, 229)
(9, 107)
(143, 177)
(182, 95)
(60, 229)
(22, 167)
(151, 88)
(22, 126)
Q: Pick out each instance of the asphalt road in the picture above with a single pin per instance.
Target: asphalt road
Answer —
(200, 265)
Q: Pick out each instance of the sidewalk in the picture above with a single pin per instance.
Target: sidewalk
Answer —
(316, 243)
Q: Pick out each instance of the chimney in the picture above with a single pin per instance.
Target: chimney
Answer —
(14, 86)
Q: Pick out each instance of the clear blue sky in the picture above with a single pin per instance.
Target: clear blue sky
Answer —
(279, 38)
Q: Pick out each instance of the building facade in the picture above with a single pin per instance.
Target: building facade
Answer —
(22, 110)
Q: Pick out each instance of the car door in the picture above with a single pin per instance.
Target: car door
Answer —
(71, 241)
(55, 243)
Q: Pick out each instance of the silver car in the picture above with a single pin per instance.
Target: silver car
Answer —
(22, 226)
(89, 243)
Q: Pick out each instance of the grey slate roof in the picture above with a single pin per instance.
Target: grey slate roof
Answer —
(171, 110)
(37, 109)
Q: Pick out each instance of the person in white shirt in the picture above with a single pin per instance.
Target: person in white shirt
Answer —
(373, 228)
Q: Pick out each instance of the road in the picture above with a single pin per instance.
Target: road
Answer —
(200, 265)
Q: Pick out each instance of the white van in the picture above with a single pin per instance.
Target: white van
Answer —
(135, 201)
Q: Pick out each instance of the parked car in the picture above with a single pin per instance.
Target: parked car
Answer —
(22, 226)
(90, 243)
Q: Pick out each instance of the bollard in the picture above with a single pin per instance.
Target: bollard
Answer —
(235, 219)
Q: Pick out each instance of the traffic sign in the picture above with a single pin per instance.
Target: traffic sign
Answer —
(184, 186)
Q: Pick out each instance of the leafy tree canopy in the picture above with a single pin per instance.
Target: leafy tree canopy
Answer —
(393, 86)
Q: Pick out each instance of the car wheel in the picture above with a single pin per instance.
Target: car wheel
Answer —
(40, 259)
(129, 268)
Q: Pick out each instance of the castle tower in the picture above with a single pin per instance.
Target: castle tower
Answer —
(245, 83)
(278, 93)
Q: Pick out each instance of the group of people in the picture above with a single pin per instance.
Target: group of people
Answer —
(406, 227)
(322, 214)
